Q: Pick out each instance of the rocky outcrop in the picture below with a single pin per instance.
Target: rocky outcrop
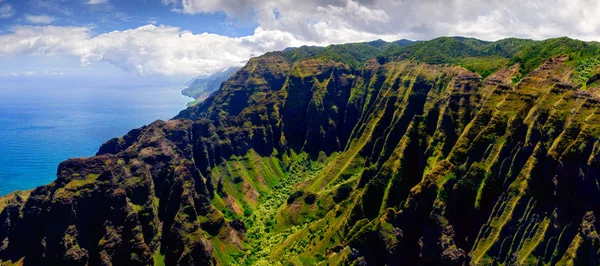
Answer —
(119, 208)
(314, 160)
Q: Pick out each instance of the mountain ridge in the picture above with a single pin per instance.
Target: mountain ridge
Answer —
(403, 155)
(201, 87)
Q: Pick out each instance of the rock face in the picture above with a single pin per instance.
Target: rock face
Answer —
(302, 158)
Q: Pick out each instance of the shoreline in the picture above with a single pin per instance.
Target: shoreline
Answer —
(89, 127)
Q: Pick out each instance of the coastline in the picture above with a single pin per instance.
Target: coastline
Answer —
(47, 129)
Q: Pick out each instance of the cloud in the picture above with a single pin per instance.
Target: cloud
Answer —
(147, 50)
(42, 19)
(415, 19)
(43, 40)
(97, 2)
(6, 11)
(165, 50)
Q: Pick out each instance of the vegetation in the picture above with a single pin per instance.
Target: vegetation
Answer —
(531, 56)
(484, 66)
(265, 231)
(453, 151)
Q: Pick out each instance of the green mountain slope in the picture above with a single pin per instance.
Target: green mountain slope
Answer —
(359, 154)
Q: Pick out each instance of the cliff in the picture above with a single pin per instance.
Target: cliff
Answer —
(201, 87)
(453, 151)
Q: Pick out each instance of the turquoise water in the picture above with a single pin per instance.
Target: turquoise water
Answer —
(41, 126)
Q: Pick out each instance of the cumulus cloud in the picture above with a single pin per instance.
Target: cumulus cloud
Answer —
(147, 50)
(42, 19)
(165, 50)
(415, 19)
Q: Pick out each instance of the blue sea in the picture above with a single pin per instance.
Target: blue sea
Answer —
(42, 125)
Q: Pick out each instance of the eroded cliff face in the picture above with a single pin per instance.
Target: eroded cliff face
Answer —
(313, 161)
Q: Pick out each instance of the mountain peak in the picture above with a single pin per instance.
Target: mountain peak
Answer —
(453, 151)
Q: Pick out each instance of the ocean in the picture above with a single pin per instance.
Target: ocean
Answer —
(43, 125)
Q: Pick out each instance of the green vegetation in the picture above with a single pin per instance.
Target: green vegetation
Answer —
(354, 54)
(478, 56)
(76, 183)
(159, 259)
(453, 151)
(266, 228)
(586, 69)
(484, 66)
(475, 55)
(14, 196)
(265, 231)
(531, 56)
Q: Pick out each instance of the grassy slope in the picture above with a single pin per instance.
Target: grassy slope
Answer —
(476, 149)
(306, 236)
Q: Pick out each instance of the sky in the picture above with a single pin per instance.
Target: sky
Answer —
(135, 40)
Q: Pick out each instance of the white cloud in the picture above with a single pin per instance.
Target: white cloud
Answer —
(97, 2)
(43, 40)
(147, 50)
(42, 19)
(164, 50)
(415, 19)
(6, 11)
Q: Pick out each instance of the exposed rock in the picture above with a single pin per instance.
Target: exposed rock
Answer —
(318, 159)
